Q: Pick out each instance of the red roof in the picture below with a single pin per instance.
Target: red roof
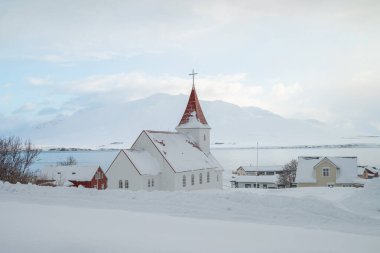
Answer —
(193, 105)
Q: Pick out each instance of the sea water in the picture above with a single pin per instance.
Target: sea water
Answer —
(229, 158)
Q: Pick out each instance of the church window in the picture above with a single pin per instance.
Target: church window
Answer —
(208, 177)
(204, 137)
(152, 182)
(200, 178)
(126, 184)
(148, 182)
(120, 183)
(192, 179)
(184, 181)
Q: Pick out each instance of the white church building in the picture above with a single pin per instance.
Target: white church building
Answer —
(161, 160)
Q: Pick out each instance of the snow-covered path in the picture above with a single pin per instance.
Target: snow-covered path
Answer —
(44, 219)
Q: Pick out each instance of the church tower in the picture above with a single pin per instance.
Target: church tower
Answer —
(194, 124)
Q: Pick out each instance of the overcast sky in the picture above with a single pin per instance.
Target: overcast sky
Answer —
(300, 59)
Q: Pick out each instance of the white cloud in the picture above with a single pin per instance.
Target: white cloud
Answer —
(39, 81)
(25, 108)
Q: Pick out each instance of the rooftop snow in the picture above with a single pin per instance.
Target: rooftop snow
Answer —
(261, 168)
(144, 162)
(347, 169)
(69, 173)
(182, 152)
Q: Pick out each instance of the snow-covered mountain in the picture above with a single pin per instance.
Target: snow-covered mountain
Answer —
(118, 126)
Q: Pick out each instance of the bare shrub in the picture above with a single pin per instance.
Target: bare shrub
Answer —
(16, 157)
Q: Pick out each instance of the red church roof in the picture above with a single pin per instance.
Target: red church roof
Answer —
(193, 108)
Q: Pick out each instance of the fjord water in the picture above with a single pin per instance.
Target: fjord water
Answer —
(230, 158)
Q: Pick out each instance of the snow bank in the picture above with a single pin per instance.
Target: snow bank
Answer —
(61, 229)
(337, 209)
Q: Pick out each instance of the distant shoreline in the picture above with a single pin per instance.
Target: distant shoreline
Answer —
(229, 146)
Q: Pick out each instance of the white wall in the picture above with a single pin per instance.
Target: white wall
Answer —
(167, 180)
(123, 169)
(216, 180)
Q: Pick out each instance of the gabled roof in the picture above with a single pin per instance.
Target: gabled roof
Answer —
(261, 168)
(143, 161)
(347, 168)
(69, 173)
(193, 116)
(181, 152)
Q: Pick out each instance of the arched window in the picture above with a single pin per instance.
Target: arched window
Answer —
(192, 179)
(148, 182)
(126, 184)
(200, 178)
(208, 177)
(184, 181)
(152, 182)
(120, 183)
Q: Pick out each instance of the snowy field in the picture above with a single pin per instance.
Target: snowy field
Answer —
(44, 219)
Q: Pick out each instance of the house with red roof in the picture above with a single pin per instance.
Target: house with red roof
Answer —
(163, 160)
(75, 176)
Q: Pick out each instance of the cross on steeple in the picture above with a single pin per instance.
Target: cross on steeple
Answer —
(193, 74)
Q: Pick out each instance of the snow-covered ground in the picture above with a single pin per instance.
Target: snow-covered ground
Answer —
(44, 219)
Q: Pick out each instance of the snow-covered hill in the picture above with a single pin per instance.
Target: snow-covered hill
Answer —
(45, 219)
(118, 126)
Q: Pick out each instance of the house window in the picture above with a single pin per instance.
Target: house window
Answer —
(200, 178)
(265, 186)
(152, 182)
(120, 183)
(208, 177)
(126, 184)
(325, 172)
(192, 179)
(148, 182)
(184, 181)
(247, 185)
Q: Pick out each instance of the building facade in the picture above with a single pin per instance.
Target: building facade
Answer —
(327, 171)
(162, 160)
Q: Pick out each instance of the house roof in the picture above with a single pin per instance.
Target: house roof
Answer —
(261, 168)
(254, 179)
(193, 116)
(181, 151)
(143, 161)
(69, 173)
(347, 168)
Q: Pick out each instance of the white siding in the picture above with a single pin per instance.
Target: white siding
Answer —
(123, 169)
(167, 174)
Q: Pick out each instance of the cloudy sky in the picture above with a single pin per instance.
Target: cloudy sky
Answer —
(300, 59)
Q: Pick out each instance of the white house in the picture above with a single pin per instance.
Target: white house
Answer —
(262, 170)
(160, 160)
(263, 181)
(327, 171)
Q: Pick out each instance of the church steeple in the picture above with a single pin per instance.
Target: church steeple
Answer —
(193, 112)
(193, 122)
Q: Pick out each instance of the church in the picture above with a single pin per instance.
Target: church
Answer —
(170, 161)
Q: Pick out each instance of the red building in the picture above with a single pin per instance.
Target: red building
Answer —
(86, 176)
